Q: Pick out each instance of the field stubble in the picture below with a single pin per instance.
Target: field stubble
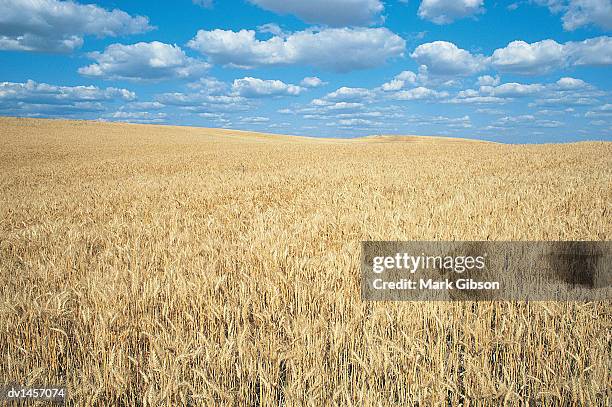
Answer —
(165, 266)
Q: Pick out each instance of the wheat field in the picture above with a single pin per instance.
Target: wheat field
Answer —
(167, 266)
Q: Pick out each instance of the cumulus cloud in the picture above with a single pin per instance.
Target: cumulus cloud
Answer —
(142, 106)
(324, 106)
(355, 123)
(202, 102)
(400, 81)
(312, 82)
(338, 49)
(337, 13)
(323, 109)
(271, 28)
(447, 11)
(32, 91)
(515, 90)
(40, 98)
(524, 58)
(579, 13)
(565, 99)
(255, 120)
(571, 83)
(526, 120)
(136, 117)
(254, 88)
(59, 26)
(518, 57)
(565, 91)
(488, 80)
(407, 76)
(445, 58)
(342, 100)
(569, 92)
(450, 122)
(209, 86)
(545, 56)
(420, 93)
(593, 51)
(473, 96)
(143, 61)
(604, 111)
(392, 85)
(346, 94)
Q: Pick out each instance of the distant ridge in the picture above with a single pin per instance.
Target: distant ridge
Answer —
(7, 121)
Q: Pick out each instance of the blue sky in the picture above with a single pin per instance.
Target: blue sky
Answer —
(520, 72)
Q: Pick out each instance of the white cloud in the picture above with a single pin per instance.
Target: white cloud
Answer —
(338, 49)
(518, 57)
(400, 81)
(142, 105)
(407, 76)
(473, 96)
(320, 108)
(579, 13)
(604, 111)
(201, 102)
(488, 80)
(447, 11)
(460, 122)
(586, 12)
(445, 58)
(346, 94)
(338, 106)
(565, 100)
(571, 83)
(478, 100)
(217, 117)
(355, 122)
(526, 121)
(209, 86)
(204, 3)
(514, 90)
(137, 117)
(59, 26)
(503, 121)
(512, 6)
(143, 61)
(255, 119)
(393, 85)
(254, 87)
(32, 91)
(337, 13)
(565, 91)
(419, 93)
(545, 56)
(524, 58)
(593, 51)
(569, 92)
(488, 110)
(312, 82)
(35, 98)
(271, 28)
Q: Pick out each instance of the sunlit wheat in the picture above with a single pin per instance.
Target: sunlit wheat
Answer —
(150, 265)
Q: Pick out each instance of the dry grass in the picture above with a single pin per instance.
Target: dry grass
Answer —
(172, 266)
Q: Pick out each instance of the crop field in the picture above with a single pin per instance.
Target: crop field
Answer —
(154, 265)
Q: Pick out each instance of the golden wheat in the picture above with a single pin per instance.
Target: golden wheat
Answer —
(160, 265)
